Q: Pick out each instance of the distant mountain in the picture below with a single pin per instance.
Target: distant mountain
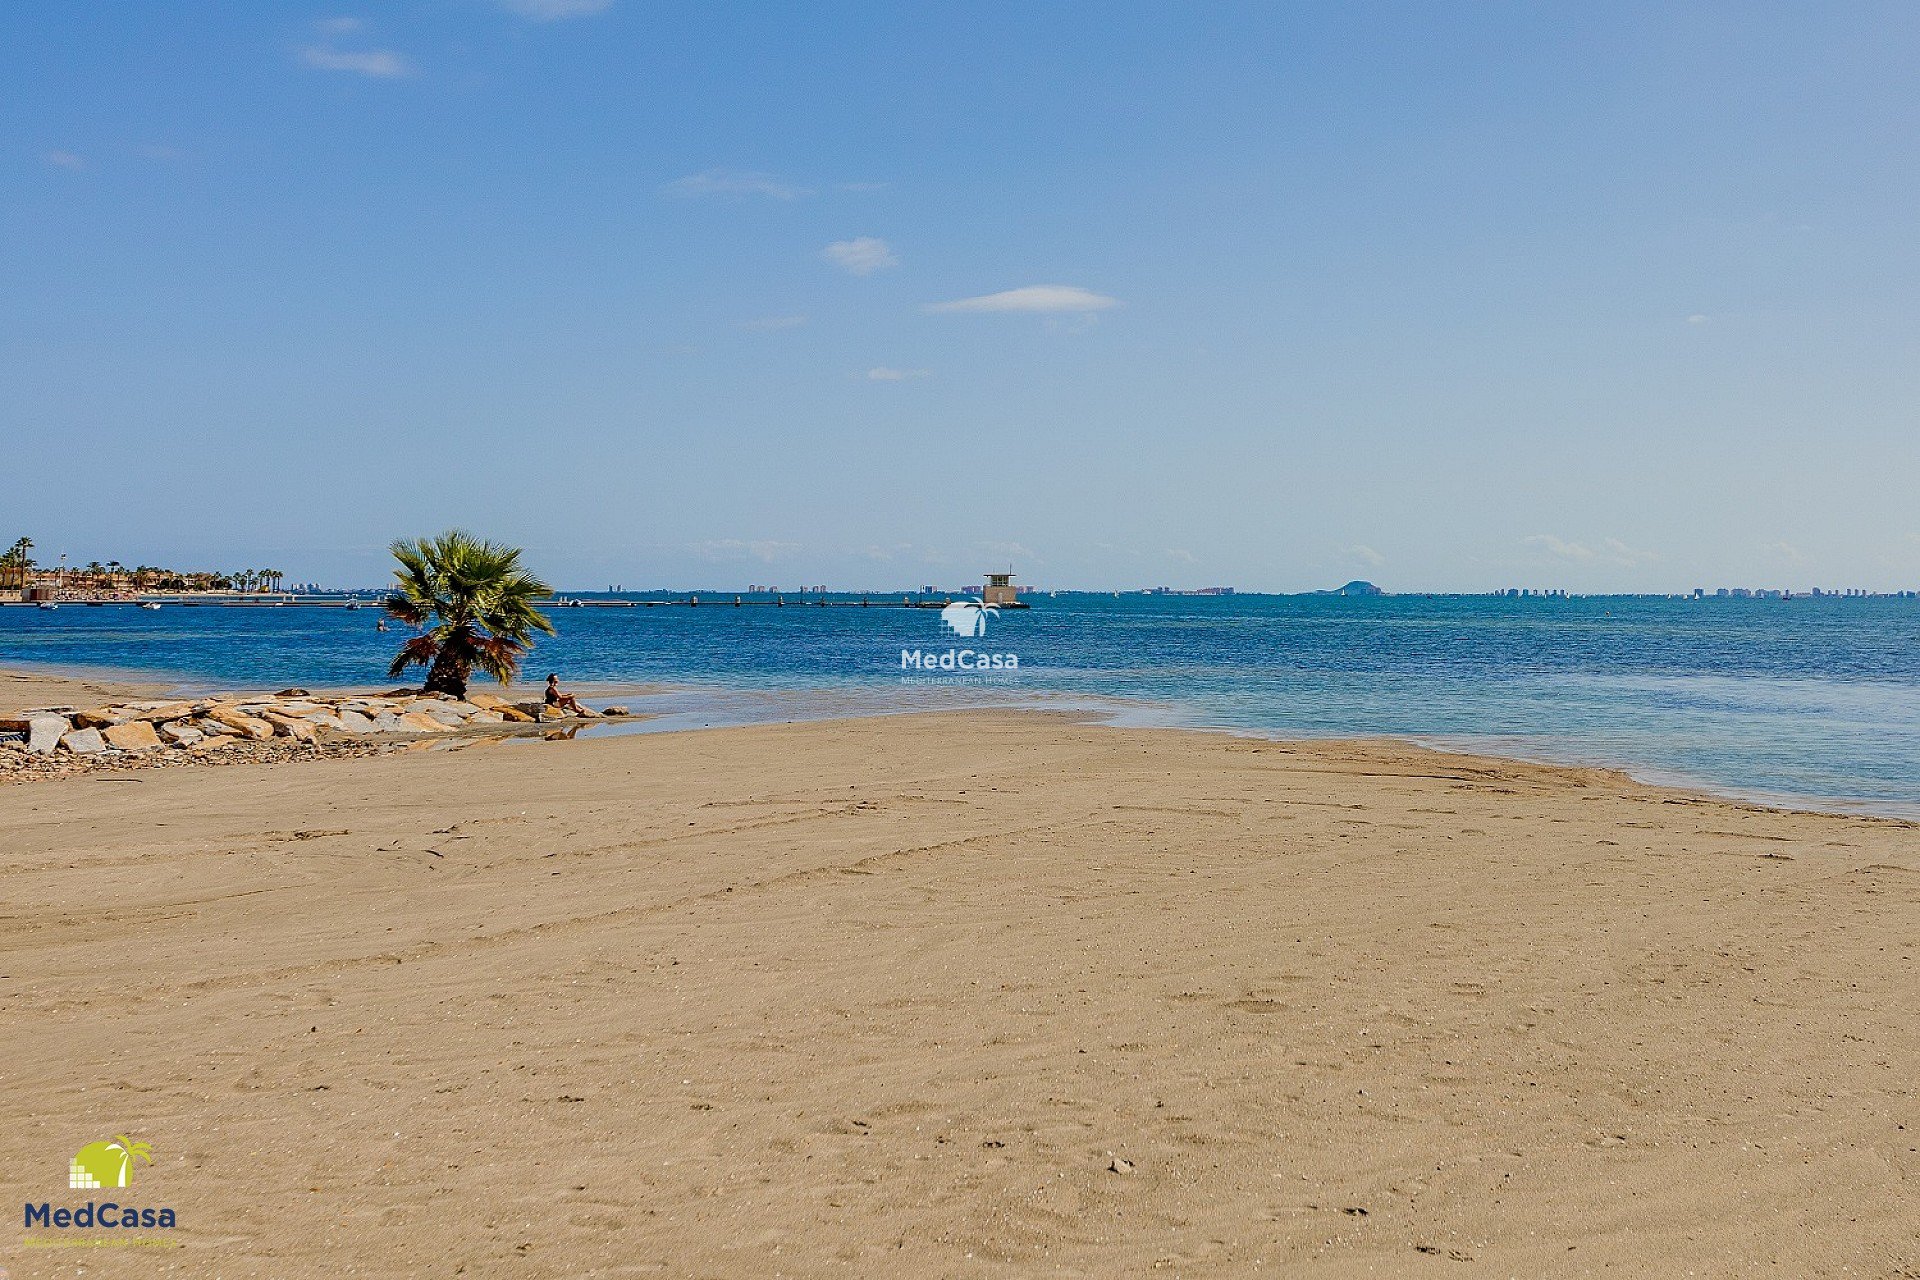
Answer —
(1354, 588)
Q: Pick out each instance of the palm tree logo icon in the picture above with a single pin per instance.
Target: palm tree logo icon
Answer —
(967, 617)
(106, 1164)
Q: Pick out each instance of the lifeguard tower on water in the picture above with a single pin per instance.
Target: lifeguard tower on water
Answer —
(1000, 592)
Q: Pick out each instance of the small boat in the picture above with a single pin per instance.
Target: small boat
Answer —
(353, 604)
(48, 604)
(151, 604)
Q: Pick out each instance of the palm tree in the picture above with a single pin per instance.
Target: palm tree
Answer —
(480, 601)
(129, 1151)
(17, 557)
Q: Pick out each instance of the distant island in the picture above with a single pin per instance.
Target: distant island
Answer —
(1357, 587)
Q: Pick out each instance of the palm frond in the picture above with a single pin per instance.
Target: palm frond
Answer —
(417, 652)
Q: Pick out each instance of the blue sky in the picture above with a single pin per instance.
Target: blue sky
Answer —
(1450, 297)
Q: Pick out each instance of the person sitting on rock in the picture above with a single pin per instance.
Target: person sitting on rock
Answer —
(564, 701)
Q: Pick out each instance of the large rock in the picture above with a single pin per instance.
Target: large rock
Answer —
(448, 712)
(420, 722)
(514, 715)
(134, 735)
(287, 726)
(487, 702)
(102, 717)
(161, 711)
(84, 742)
(353, 722)
(44, 733)
(180, 733)
(252, 726)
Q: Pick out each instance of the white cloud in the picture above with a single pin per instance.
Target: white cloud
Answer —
(731, 182)
(66, 160)
(884, 374)
(378, 64)
(338, 26)
(549, 10)
(764, 550)
(1696, 319)
(1041, 298)
(768, 324)
(1788, 552)
(862, 255)
(1609, 551)
(1364, 554)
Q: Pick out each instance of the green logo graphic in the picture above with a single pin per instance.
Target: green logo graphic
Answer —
(106, 1164)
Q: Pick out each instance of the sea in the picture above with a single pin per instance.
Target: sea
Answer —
(1809, 701)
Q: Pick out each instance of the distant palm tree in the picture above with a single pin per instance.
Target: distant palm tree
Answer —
(17, 556)
(480, 601)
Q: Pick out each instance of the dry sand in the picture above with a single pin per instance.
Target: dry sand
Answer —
(20, 690)
(969, 994)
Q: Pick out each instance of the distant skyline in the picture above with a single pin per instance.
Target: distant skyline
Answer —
(1446, 298)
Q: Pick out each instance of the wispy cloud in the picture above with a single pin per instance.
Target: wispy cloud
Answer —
(65, 160)
(764, 550)
(1363, 554)
(1180, 555)
(862, 255)
(884, 374)
(733, 182)
(1608, 551)
(339, 26)
(768, 324)
(1788, 552)
(550, 10)
(376, 64)
(1697, 318)
(1033, 298)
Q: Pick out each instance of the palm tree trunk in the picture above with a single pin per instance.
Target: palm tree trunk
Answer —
(448, 674)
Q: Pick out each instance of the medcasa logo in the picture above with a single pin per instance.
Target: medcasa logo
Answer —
(108, 1163)
(964, 618)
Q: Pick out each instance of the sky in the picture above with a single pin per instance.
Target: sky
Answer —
(1616, 297)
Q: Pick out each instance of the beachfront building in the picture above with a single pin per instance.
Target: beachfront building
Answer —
(1000, 591)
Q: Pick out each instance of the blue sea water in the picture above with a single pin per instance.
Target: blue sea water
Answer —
(1807, 700)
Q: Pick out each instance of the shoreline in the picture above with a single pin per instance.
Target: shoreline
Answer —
(702, 707)
(963, 993)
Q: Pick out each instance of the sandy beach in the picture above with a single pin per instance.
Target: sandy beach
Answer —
(960, 994)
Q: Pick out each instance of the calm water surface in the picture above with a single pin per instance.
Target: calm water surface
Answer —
(1809, 700)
